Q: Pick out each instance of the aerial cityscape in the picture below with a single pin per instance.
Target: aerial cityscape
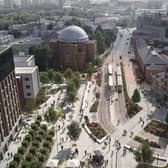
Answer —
(83, 83)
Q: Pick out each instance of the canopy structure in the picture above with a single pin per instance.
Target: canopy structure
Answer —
(52, 163)
(73, 163)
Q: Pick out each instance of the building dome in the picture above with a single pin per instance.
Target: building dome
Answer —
(73, 34)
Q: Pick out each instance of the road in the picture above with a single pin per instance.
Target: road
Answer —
(120, 48)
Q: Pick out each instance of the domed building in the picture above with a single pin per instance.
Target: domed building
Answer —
(72, 48)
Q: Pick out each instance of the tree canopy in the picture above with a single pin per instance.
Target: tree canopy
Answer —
(74, 130)
(136, 96)
(144, 153)
(43, 56)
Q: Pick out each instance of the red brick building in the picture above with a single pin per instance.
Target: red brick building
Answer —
(72, 48)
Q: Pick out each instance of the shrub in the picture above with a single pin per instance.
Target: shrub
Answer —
(157, 128)
(151, 143)
(96, 130)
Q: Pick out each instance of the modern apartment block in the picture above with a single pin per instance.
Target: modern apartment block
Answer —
(10, 112)
(29, 83)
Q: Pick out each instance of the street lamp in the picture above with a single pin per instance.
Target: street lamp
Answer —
(157, 160)
(112, 152)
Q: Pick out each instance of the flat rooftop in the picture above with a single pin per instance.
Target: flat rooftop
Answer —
(25, 70)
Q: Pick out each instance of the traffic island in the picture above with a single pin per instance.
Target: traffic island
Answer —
(132, 107)
(95, 131)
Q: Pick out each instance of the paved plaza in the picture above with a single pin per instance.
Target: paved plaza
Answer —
(111, 115)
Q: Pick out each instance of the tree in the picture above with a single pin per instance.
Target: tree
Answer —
(74, 130)
(17, 157)
(51, 115)
(71, 86)
(25, 164)
(144, 153)
(58, 78)
(77, 81)
(136, 96)
(166, 118)
(90, 69)
(41, 95)
(43, 55)
(44, 77)
(35, 164)
(13, 164)
(71, 96)
(97, 61)
(21, 150)
(33, 150)
(100, 42)
(29, 107)
(68, 73)
(51, 74)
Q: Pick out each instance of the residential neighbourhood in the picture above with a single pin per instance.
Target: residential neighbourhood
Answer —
(83, 84)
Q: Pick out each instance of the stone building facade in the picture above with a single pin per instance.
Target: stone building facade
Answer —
(72, 48)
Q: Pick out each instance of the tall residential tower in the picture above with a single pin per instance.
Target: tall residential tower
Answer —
(10, 112)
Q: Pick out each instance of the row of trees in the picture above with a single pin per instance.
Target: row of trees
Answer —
(74, 82)
(35, 148)
(51, 76)
(19, 17)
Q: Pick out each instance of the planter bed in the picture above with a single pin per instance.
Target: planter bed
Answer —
(96, 130)
(151, 143)
(157, 128)
(93, 108)
(132, 108)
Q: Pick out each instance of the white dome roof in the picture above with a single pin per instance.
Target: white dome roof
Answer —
(73, 34)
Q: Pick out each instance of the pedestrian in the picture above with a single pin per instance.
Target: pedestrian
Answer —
(85, 152)
(76, 151)
(62, 147)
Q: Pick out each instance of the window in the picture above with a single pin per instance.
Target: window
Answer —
(27, 79)
(28, 94)
(27, 86)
